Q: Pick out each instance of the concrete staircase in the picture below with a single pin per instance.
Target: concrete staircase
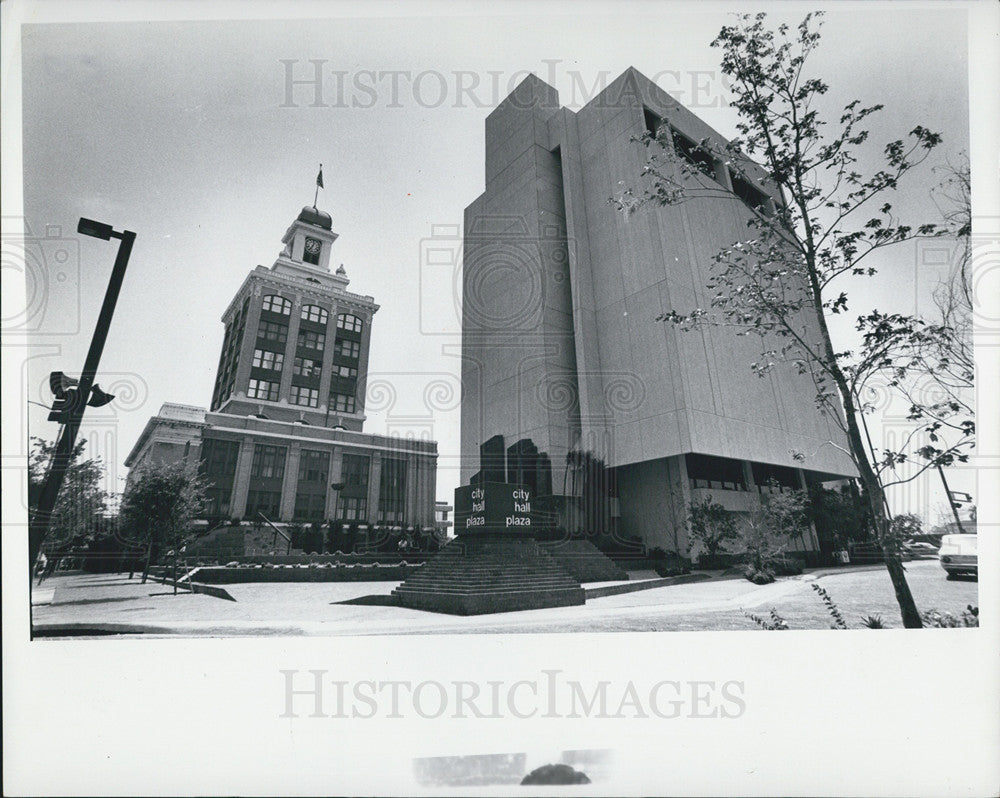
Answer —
(478, 574)
(582, 560)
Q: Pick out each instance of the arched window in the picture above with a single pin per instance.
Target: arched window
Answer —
(277, 304)
(345, 321)
(315, 313)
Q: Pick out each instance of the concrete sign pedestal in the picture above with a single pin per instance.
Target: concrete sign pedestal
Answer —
(494, 564)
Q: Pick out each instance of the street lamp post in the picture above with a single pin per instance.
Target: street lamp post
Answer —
(42, 518)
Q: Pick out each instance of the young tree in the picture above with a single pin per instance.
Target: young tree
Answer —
(769, 529)
(779, 283)
(82, 501)
(158, 506)
(712, 526)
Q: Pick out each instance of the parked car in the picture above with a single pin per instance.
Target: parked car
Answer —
(959, 554)
(920, 550)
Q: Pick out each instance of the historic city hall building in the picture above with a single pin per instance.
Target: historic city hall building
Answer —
(562, 354)
(284, 435)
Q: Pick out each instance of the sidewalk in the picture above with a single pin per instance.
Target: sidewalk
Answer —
(84, 604)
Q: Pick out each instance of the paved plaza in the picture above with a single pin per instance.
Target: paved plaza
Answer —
(82, 604)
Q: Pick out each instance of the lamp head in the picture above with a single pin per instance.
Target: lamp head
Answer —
(89, 227)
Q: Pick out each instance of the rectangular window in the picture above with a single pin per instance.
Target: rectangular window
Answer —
(305, 367)
(308, 339)
(314, 467)
(346, 371)
(345, 321)
(769, 478)
(264, 359)
(276, 304)
(310, 506)
(749, 193)
(352, 508)
(272, 331)
(315, 313)
(301, 395)
(708, 471)
(262, 389)
(392, 491)
(216, 502)
(218, 457)
(342, 403)
(347, 348)
(267, 502)
(652, 121)
(693, 153)
(268, 462)
(354, 475)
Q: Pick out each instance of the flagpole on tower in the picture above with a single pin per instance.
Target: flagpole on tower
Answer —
(319, 185)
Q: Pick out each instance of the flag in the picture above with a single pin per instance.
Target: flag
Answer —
(319, 177)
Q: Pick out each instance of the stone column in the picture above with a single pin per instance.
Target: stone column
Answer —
(810, 540)
(374, 480)
(412, 494)
(327, 374)
(680, 495)
(290, 482)
(291, 346)
(336, 475)
(241, 481)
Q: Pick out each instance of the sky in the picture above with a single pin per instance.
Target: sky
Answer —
(190, 134)
(180, 131)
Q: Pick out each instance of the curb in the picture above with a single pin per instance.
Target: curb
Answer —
(648, 584)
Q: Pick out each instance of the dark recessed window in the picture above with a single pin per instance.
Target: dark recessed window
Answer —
(652, 121)
(268, 462)
(308, 339)
(720, 473)
(347, 348)
(352, 508)
(273, 331)
(305, 367)
(750, 194)
(693, 153)
(314, 467)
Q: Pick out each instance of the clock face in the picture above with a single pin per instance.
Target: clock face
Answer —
(312, 246)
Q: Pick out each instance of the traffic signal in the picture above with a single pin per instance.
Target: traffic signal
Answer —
(66, 391)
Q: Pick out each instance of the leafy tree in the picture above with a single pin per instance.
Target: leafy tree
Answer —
(159, 503)
(712, 526)
(780, 283)
(79, 512)
(768, 529)
(840, 515)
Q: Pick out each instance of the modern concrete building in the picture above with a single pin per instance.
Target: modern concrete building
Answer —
(562, 354)
(284, 435)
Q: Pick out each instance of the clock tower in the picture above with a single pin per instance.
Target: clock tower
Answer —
(296, 342)
(284, 437)
(307, 242)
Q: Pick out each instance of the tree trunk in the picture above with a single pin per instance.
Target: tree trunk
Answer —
(149, 556)
(873, 487)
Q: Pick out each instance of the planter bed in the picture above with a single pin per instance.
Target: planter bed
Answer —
(221, 575)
